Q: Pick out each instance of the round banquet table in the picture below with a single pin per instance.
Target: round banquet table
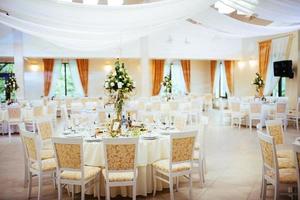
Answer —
(149, 151)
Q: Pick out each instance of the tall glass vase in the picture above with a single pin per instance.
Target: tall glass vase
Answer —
(119, 105)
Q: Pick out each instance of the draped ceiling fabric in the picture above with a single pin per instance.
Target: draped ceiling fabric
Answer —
(84, 27)
(48, 70)
(94, 27)
(157, 75)
(264, 55)
(83, 69)
(186, 68)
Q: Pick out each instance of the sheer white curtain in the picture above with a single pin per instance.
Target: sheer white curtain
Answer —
(279, 51)
(178, 84)
(220, 86)
(76, 78)
(55, 76)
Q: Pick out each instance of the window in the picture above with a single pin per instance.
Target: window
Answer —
(6, 69)
(280, 89)
(65, 86)
(220, 81)
(173, 68)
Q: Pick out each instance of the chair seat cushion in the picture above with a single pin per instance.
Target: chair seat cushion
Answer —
(163, 165)
(89, 172)
(286, 163)
(118, 176)
(285, 154)
(47, 165)
(287, 176)
(47, 153)
(14, 120)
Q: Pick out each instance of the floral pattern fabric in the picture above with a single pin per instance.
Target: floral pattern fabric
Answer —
(68, 155)
(267, 152)
(182, 149)
(14, 113)
(31, 148)
(45, 130)
(120, 156)
(276, 132)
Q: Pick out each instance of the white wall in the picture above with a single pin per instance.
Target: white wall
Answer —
(200, 76)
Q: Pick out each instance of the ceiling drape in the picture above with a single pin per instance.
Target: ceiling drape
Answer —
(48, 70)
(264, 55)
(157, 75)
(83, 69)
(186, 68)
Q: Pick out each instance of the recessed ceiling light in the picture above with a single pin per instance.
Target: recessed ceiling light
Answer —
(115, 2)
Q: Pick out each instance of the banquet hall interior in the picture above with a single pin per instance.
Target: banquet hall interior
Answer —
(150, 99)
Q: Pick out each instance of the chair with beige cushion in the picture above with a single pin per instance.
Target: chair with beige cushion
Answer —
(70, 166)
(281, 113)
(256, 113)
(180, 162)
(271, 173)
(36, 166)
(45, 131)
(120, 164)
(236, 114)
(294, 115)
(297, 161)
(284, 153)
(52, 111)
(14, 117)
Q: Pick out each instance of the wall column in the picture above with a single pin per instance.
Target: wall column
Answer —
(145, 67)
(19, 62)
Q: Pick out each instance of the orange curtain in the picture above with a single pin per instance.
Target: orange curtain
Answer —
(212, 73)
(186, 68)
(83, 69)
(264, 55)
(157, 75)
(228, 70)
(48, 70)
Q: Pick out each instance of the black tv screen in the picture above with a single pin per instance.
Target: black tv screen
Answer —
(283, 68)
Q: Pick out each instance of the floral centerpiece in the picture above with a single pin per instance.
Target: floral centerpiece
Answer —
(119, 85)
(11, 86)
(259, 83)
(167, 86)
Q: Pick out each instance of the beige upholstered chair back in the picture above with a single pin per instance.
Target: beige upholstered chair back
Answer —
(68, 153)
(182, 146)
(235, 106)
(38, 111)
(255, 108)
(268, 152)
(120, 154)
(296, 148)
(30, 144)
(45, 128)
(275, 129)
(102, 116)
(155, 106)
(281, 107)
(14, 112)
(180, 121)
(148, 118)
(51, 108)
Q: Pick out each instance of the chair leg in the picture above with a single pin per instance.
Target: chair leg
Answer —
(59, 189)
(297, 124)
(200, 171)
(26, 174)
(73, 192)
(40, 185)
(29, 185)
(276, 193)
(98, 186)
(191, 186)
(264, 189)
(107, 192)
(9, 133)
(82, 191)
(250, 125)
(134, 191)
(177, 183)
(171, 187)
(154, 181)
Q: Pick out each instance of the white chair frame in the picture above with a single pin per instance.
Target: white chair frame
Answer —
(295, 117)
(82, 182)
(171, 175)
(31, 171)
(44, 120)
(255, 115)
(275, 122)
(13, 123)
(296, 149)
(108, 184)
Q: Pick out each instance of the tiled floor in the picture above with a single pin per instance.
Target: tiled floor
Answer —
(233, 168)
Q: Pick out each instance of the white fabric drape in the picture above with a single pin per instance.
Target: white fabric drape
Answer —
(279, 51)
(178, 84)
(220, 80)
(93, 27)
(76, 78)
(55, 76)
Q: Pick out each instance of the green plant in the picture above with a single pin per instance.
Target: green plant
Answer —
(167, 84)
(11, 86)
(258, 82)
